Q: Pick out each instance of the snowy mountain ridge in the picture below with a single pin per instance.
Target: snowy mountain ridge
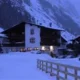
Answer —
(60, 13)
(39, 16)
(65, 5)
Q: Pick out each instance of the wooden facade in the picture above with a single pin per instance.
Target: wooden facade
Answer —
(76, 40)
(50, 37)
(15, 36)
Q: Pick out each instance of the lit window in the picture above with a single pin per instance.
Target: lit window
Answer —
(32, 31)
(32, 40)
(51, 48)
(43, 48)
(36, 48)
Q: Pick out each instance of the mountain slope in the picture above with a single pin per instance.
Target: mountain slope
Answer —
(12, 12)
(59, 13)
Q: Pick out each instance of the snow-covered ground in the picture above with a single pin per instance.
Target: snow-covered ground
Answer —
(20, 66)
(67, 61)
(23, 66)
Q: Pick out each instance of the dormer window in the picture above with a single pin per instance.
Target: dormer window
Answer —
(50, 24)
(40, 23)
(32, 31)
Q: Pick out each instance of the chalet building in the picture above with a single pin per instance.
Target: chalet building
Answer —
(66, 38)
(76, 40)
(76, 43)
(63, 43)
(75, 46)
(33, 37)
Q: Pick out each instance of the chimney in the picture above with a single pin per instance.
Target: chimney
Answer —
(40, 23)
(50, 24)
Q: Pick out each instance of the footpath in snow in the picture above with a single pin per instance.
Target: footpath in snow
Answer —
(21, 66)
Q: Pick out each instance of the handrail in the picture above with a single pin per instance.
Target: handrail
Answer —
(45, 65)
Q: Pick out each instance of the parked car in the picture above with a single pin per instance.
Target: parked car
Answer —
(39, 52)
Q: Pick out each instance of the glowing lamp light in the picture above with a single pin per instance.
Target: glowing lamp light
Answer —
(51, 48)
(43, 48)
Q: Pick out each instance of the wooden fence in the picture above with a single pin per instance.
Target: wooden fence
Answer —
(51, 67)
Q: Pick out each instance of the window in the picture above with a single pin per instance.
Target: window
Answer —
(32, 31)
(32, 40)
(40, 23)
(12, 34)
(22, 32)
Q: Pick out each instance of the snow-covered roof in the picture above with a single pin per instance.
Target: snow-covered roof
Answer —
(2, 35)
(47, 26)
(1, 29)
(23, 22)
(67, 36)
(54, 27)
(76, 37)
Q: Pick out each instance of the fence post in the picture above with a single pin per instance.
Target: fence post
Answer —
(51, 69)
(66, 72)
(46, 67)
(38, 63)
(75, 73)
(57, 72)
(42, 66)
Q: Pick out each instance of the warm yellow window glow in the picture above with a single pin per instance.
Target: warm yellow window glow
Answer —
(51, 48)
(30, 48)
(43, 48)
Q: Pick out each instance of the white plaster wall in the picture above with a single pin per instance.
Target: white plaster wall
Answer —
(10, 49)
(36, 35)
